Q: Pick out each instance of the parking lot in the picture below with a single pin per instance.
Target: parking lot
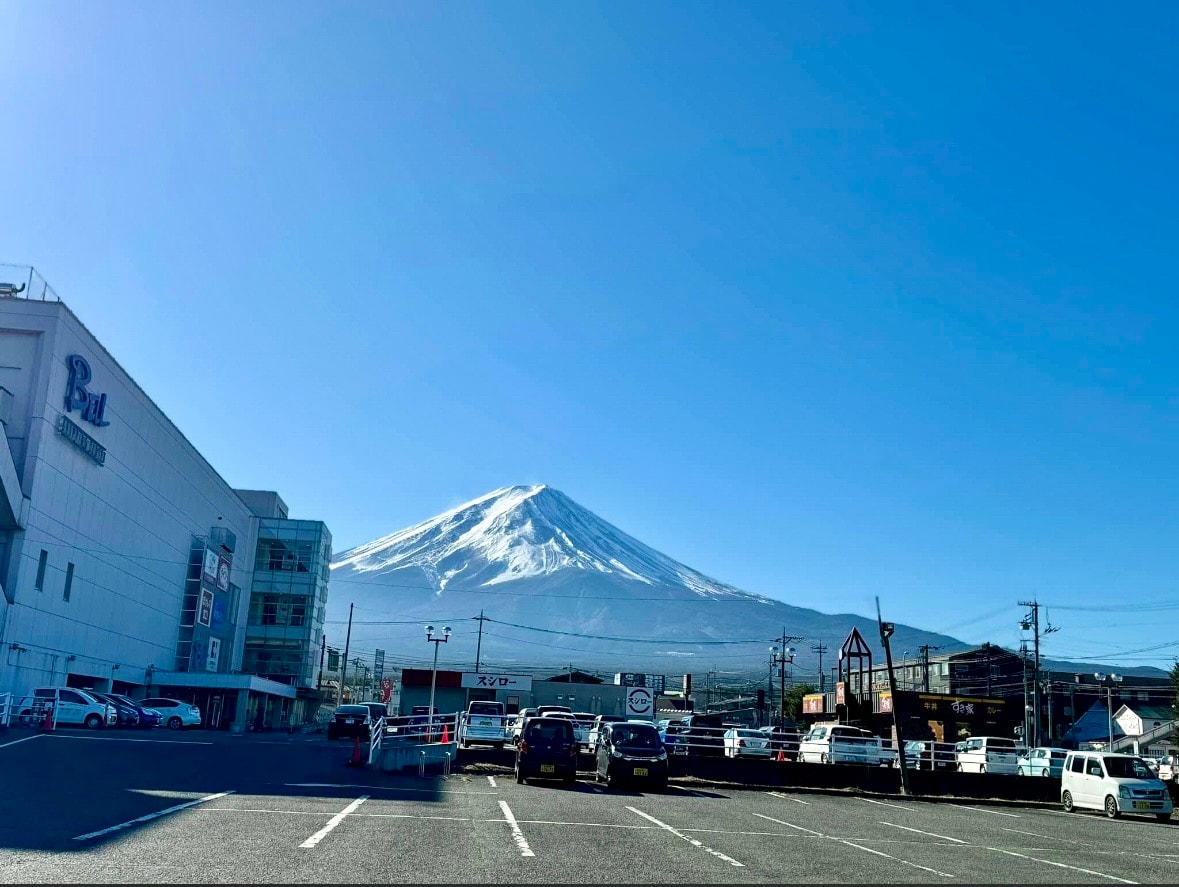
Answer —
(204, 807)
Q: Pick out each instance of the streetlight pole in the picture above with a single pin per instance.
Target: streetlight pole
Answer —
(1109, 681)
(780, 659)
(445, 637)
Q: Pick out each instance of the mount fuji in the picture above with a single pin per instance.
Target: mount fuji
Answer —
(559, 586)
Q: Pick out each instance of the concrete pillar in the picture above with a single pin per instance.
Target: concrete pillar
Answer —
(275, 720)
(240, 724)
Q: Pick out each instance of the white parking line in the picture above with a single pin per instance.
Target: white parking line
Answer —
(517, 835)
(150, 816)
(788, 798)
(882, 804)
(125, 739)
(1063, 865)
(682, 836)
(25, 739)
(791, 825)
(491, 779)
(981, 810)
(931, 834)
(332, 823)
(387, 788)
(924, 868)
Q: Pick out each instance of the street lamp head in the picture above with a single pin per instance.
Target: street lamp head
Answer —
(1099, 676)
(429, 629)
(446, 630)
(774, 651)
(1116, 678)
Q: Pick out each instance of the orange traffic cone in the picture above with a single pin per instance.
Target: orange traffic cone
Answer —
(356, 759)
(445, 733)
(781, 755)
(47, 724)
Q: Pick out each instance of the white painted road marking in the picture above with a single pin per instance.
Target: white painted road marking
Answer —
(931, 834)
(788, 798)
(491, 779)
(332, 823)
(981, 810)
(126, 739)
(150, 816)
(924, 868)
(1063, 866)
(386, 788)
(25, 739)
(683, 837)
(791, 825)
(517, 835)
(882, 804)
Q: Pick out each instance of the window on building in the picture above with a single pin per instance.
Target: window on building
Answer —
(69, 582)
(270, 611)
(42, 561)
(304, 557)
(298, 613)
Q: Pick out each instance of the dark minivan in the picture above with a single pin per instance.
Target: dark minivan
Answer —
(704, 735)
(631, 752)
(547, 750)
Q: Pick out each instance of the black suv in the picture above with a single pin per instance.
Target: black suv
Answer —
(702, 736)
(630, 752)
(547, 750)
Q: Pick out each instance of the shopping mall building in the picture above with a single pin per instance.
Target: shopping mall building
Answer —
(127, 563)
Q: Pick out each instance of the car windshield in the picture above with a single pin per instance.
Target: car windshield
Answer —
(352, 710)
(636, 736)
(547, 735)
(484, 708)
(1128, 768)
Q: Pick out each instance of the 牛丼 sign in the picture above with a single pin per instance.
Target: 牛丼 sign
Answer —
(483, 680)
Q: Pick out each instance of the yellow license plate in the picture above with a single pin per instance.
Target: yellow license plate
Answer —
(640, 771)
(547, 768)
(1142, 805)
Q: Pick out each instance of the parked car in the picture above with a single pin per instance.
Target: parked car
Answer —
(546, 709)
(926, 754)
(785, 739)
(351, 721)
(702, 735)
(596, 730)
(580, 729)
(843, 744)
(72, 707)
(518, 725)
(547, 750)
(148, 717)
(671, 738)
(483, 723)
(1116, 784)
(1042, 761)
(175, 714)
(631, 752)
(988, 754)
(745, 742)
(378, 710)
(125, 715)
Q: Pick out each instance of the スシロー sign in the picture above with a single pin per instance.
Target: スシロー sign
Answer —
(640, 702)
(483, 680)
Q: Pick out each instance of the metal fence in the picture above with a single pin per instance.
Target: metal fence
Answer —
(24, 282)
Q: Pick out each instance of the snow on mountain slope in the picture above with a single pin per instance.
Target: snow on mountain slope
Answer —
(519, 533)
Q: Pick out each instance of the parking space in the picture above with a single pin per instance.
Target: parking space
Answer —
(213, 808)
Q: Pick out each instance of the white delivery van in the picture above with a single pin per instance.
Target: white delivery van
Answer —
(1116, 784)
(842, 744)
(73, 708)
(484, 723)
(988, 754)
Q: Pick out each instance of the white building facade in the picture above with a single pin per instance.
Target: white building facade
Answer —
(126, 560)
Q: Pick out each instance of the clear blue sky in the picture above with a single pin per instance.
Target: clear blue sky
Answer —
(825, 301)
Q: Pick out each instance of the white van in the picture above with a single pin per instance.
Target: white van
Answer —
(1116, 784)
(842, 744)
(988, 754)
(72, 707)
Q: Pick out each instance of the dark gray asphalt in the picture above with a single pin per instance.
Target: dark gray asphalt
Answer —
(281, 821)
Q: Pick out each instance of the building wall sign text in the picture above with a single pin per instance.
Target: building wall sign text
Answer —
(92, 406)
(476, 680)
(81, 440)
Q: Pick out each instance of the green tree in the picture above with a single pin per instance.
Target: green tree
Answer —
(794, 696)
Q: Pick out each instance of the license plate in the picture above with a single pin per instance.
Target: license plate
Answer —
(547, 768)
(483, 723)
(640, 771)
(1142, 805)
(352, 720)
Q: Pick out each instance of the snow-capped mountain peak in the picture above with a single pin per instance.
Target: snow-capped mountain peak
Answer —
(522, 532)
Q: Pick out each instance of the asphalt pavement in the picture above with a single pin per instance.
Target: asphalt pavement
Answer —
(204, 807)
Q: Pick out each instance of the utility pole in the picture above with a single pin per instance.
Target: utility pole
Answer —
(479, 643)
(1032, 621)
(344, 664)
(322, 654)
(886, 632)
(925, 648)
(820, 648)
(1023, 656)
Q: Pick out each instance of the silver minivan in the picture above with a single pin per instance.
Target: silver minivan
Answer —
(1116, 784)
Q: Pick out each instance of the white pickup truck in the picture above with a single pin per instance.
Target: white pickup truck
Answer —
(483, 723)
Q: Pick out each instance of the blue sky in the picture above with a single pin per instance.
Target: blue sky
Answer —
(827, 301)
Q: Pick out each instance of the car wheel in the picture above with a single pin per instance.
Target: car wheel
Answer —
(499, 746)
(1066, 801)
(824, 758)
(93, 721)
(174, 723)
(26, 718)
(1163, 817)
(1111, 807)
(1044, 772)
